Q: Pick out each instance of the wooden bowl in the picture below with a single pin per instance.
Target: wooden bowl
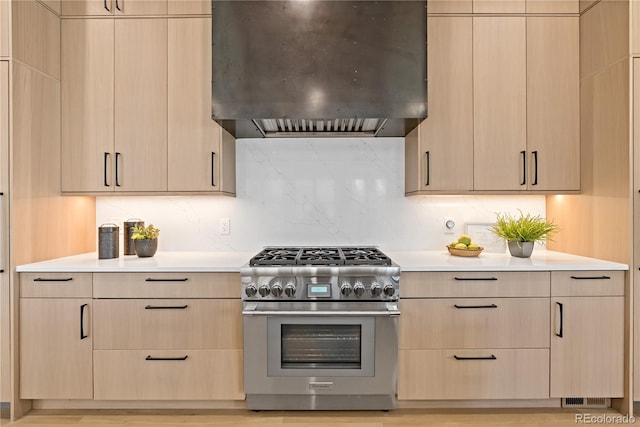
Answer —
(464, 252)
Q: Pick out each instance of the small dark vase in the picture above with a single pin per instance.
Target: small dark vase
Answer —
(146, 247)
(521, 249)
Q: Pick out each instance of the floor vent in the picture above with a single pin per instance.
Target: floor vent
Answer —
(586, 402)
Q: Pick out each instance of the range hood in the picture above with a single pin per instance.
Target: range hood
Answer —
(319, 67)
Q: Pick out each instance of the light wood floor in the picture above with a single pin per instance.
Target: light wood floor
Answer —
(241, 418)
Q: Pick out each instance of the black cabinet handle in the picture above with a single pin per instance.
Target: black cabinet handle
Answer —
(106, 7)
(150, 279)
(213, 168)
(1, 193)
(427, 156)
(117, 160)
(166, 358)
(535, 168)
(590, 277)
(118, 5)
(1, 270)
(82, 335)
(524, 167)
(560, 334)
(475, 306)
(492, 357)
(106, 162)
(166, 307)
(42, 279)
(474, 279)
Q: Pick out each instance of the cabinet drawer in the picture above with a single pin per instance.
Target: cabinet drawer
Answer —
(55, 285)
(139, 375)
(475, 323)
(498, 374)
(587, 283)
(477, 284)
(167, 324)
(166, 285)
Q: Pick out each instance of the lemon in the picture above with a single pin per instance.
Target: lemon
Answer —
(460, 245)
(472, 246)
(464, 239)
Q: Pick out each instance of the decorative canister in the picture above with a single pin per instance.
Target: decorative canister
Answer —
(129, 247)
(108, 237)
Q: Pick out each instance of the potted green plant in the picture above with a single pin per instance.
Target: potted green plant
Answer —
(523, 231)
(145, 240)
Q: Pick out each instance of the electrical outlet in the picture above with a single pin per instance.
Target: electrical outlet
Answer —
(449, 225)
(225, 226)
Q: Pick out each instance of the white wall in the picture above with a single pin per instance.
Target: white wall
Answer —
(347, 191)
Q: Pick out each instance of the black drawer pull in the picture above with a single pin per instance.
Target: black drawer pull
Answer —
(166, 307)
(149, 279)
(560, 334)
(591, 278)
(475, 306)
(1, 270)
(166, 358)
(82, 334)
(42, 279)
(474, 278)
(492, 357)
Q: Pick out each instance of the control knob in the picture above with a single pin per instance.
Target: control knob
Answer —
(264, 290)
(358, 289)
(276, 289)
(389, 290)
(250, 290)
(346, 289)
(376, 289)
(290, 289)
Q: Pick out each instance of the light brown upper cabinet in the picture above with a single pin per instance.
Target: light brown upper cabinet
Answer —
(439, 152)
(202, 153)
(5, 27)
(526, 106)
(499, 103)
(450, 6)
(114, 7)
(553, 104)
(114, 105)
(499, 6)
(189, 7)
(553, 6)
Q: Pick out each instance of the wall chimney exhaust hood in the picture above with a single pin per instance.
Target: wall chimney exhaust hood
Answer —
(319, 67)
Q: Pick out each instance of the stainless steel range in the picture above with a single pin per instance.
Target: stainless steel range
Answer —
(320, 328)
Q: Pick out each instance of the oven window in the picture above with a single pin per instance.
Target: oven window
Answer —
(321, 346)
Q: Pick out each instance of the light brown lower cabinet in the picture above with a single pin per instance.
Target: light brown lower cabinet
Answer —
(474, 374)
(168, 374)
(587, 347)
(56, 360)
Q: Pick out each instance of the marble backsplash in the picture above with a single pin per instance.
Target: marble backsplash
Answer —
(347, 191)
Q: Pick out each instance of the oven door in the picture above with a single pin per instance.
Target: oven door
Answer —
(320, 346)
(324, 349)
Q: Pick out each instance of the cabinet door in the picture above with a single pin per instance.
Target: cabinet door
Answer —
(113, 7)
(5, 27)
(499, 6)
(553, 103)
(194, 139)
(87, 87)
(55, 349)
(87, 7)
(189, 7)
(499, 103)
(141, 105)
(439, 153)
(587, 347)
(5, 316)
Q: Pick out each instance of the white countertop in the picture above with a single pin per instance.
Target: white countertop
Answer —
(541, 260)
(161, 261)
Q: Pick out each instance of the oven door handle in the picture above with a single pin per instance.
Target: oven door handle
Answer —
(379, 313)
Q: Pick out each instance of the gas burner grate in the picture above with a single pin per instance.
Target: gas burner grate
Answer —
(365, 256)
(278, 256)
